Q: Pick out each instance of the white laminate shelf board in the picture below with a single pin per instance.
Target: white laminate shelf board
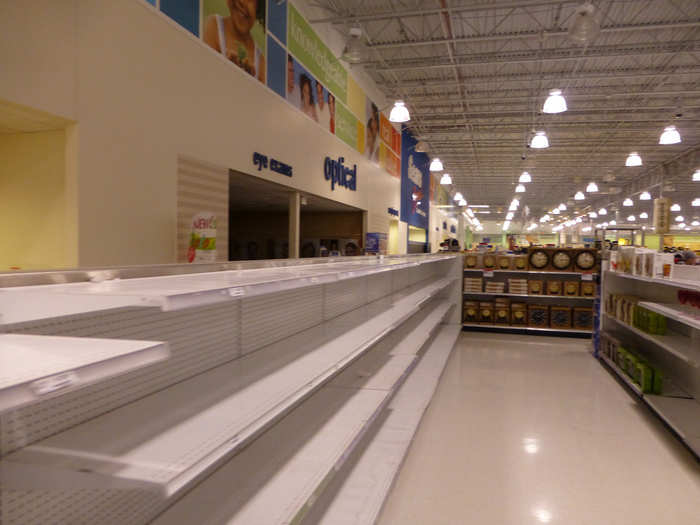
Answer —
(516, 328)
(687, 315)
(169, 439)
(530, 296)
(683, 415)
(688, 285)
(357, 497)
(173, 292)
(278, 478)
(680, 346)
(528, 272)
(35, 366)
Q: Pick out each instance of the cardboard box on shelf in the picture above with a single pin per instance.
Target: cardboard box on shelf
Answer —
(471, 311)
(572, 288)
(535, 287)
(560, 317)
(554, 288)
(486, 312)
(583, 318)
(538, 315)
(518, 314)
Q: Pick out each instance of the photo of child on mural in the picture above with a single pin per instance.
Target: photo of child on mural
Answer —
(372, 140)
(236, 29)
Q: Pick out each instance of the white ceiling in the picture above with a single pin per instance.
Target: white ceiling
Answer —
(475, 73)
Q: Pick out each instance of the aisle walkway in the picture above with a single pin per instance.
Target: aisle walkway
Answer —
(528, 430)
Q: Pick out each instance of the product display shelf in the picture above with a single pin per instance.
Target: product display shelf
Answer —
(39, 366)
(677, 344)
(687, 315)
(531, 272)
(282, 474)
(529, 296)
(170, 439)
(688, 285)
(357, 494)
(523, 329)
(622, 376)
(174, 292)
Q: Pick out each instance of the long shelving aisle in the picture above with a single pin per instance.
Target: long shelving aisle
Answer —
(669, 350)
(263, 429)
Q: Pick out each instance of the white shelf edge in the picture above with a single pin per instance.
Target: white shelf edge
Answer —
(620, 374)
(690, 285)
(403, 309)
(528, 296)
(527, 328)
(658, 340)
(70, 372)
(672, 313)
(529, 272)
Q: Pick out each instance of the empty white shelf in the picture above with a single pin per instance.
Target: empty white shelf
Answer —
(526, 295)
(688, 285)
(358, 493)
(282, 473)
(679, 345)
(174, 292)
(34, 366)
(687, 315)
(170, 439)
(683, 415)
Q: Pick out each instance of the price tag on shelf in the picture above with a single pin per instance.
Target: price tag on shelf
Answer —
(47, 385)
(587, 277)
(488, 273)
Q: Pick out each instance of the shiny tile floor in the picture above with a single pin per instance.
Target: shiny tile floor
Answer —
(529, 430)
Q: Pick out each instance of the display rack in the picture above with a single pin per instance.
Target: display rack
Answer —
(676, 354)
(271, 395)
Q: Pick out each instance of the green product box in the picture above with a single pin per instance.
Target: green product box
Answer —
(658, 382)
(631, 364)
(620, 357)
(645, 377)
(661, 330)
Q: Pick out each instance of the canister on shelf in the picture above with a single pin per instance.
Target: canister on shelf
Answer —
(554, 287)
(560, 317)
(504, 262)
(538, 315)
(518, 314)
(587, 288)
(471, 311)
(583, 318)
(535, 287)
(571, 288)
(486, 313)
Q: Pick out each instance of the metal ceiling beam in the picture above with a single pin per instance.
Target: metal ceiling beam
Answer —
(547, 55)
(532, 35)
(430, 115)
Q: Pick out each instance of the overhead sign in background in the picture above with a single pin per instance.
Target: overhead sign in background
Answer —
(415, 183)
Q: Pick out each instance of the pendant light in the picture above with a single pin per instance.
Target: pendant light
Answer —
(506, 225)
(584, 27)
(593, 215)
(539, 141)
(602, 211)
(555, 102)
(445, 179)
(679, 218)
(592, 187)
(436, 165)
(562, 207)
(645, 196)
(354, 47)
(633, 160)
(458, 197)
(631, 218)
(696, 175)
(520, 188)
(509, 216)
(462, 202)
(644, 215)
(579, 196)
(675, 207)
(555, 211)
(525, 177)
(670, 136)
(399, 113)
(578, 220)
(696, 202)
(613, 223)
(695, 223)
(470, 212)
(627, 202)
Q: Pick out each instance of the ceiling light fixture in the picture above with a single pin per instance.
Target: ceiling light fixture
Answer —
(644, 215)
(562, 207)
(593, 215)
(462, 202)
(354, 47)
(506, 225)
(670, 136)
(631, 218)
(520, 188)
(509, 216)
(602, 211)
(679, 218)
(436, 165)
(458, 197)
(555, 102)
(633, 160)
(675, 207)
(613, 223)
(579, 196)
(592, 187)
(470, 212)
(645, 196)
(445, 179)
(539, 141)
(696, 175)
(696, 202)
(399, 113)
(556, 211)
(695, 223)
(627, 202)
(526, 177)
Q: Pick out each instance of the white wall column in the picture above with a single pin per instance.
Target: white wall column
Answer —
(294, 224)
(461, 237)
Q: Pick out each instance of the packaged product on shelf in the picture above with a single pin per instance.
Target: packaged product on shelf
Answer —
(518, 313)
(518, 286)
(659, 265)
(625, 259)
(471, 260)
(644, 377)
(682, 272)
(495, 286)
(489, 261)
(502, 311)
(520, 262)
(538, 315)
(640, 255)
(486, 313)
(613, 261)
(471, 311)
(620, 357)
(535, 287)
(562, 260)
(571, 288)
(560, 317)
(583, 318)
(473, 284)
(504, 262)
(588, 288)
(554, 288)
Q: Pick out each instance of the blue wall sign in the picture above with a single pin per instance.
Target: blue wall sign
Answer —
(415, 183)
(261, 162)
(339, 174)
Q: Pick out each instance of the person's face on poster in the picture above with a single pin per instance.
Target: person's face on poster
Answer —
(290, 75)
(319, 93)
(242, 14)
(306, 94)
(331, 104)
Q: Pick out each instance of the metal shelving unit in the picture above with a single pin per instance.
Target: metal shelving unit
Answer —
(529, 272)
(525, 295)
(527, 329)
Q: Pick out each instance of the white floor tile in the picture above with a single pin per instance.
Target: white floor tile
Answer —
(528, 430)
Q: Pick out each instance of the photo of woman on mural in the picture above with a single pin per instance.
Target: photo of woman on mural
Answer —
(307, 97)
(231, 35)
(331, 111)
(322, 106)
(372, 145)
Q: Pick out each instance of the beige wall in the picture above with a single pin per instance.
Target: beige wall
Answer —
(143, 92)
(34, 221)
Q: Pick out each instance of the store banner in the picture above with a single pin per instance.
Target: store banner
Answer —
(389, 161)
(237, 33)
(372, 139)
(390, 136)
(662, 215)
(314, 54)
(415, 183)
(346, 126)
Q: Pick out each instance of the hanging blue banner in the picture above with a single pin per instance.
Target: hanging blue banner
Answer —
(415, 182)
